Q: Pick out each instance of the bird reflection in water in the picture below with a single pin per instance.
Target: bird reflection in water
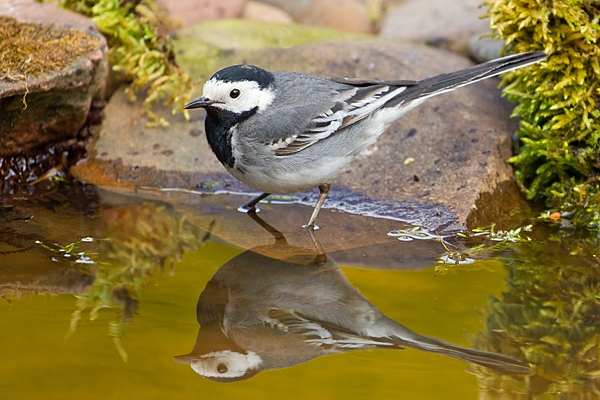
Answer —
(260, 312)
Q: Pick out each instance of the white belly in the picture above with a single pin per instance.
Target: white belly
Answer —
(312, 166)
(287, 178)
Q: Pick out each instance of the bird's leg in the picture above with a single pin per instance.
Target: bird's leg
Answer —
(279, 238)
(251, 207)
(324, 189)
(321, 256)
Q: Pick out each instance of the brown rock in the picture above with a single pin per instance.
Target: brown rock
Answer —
(447, 24)
(343, 15)
(46, 105)
(459, 142)
(128, 152)
(190, 12)
(259, 11)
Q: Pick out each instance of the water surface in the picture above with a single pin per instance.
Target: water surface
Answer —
(114, 317)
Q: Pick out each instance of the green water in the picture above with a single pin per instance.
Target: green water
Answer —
(159, 254)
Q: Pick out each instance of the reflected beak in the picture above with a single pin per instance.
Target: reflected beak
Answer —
(202, 102)
(186, 359)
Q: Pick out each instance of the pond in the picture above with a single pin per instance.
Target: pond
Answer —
(172, 294)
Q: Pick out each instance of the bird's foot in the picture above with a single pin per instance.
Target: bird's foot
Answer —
(312, 227)
(248, 209)
(251, 207)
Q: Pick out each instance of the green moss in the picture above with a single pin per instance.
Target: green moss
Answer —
(32, 49)
(557, 158)
(138, 51)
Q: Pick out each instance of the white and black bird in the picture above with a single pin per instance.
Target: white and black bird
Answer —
(259, 313)
(284, 132)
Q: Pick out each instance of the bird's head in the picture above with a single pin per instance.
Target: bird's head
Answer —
(238, 89)
(224, 365)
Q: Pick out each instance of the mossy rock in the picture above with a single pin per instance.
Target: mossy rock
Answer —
(50, 75)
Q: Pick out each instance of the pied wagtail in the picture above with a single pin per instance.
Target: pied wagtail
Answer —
(284, 132)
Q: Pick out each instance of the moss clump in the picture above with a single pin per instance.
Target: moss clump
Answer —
(138, 51)
(557, 158)
(32, 49)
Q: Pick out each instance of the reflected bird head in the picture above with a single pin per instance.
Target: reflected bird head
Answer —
(224, 365)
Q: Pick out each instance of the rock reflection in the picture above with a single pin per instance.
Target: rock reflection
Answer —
(260, 312)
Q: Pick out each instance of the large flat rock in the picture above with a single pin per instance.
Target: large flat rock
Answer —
(459, 142)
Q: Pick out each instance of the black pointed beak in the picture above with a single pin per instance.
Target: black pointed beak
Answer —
(202, 102)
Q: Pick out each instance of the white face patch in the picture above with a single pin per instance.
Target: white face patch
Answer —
(250, 95)
(226, 364)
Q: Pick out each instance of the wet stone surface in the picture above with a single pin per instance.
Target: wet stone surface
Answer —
(338, 232)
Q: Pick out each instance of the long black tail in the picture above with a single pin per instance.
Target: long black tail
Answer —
(446, 82)
(495, 361)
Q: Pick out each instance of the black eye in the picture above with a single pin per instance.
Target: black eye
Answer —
(234, 94)
(222, 367)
